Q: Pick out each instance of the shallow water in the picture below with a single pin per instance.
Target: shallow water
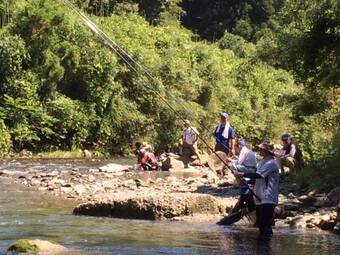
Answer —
(28, 214)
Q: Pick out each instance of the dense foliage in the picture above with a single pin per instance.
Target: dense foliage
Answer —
(273, 65)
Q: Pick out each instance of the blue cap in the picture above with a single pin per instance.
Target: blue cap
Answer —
(225, 115)
(241, 142)
(285, 137)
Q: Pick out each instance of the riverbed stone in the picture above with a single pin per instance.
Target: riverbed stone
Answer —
(291, 207)
(38, 247)
(92, 178)
(334, 195)
(111, 168)
(322, 201)
(307, 200)
(326, 223)
(154, 207)
(216, 164)
(79, 189)
(175, 164)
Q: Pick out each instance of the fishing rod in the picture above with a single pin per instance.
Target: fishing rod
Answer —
(134, 65)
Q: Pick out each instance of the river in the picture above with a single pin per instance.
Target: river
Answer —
(25, 213)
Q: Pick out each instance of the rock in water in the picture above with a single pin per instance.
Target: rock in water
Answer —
(172, 163)
(110, 168)
(24, 246)
(154, 207)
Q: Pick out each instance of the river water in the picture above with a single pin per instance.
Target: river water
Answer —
(28, 214)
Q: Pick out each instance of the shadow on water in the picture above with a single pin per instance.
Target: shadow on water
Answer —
(28, 214)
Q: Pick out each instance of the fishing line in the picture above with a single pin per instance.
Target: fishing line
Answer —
(134, 65)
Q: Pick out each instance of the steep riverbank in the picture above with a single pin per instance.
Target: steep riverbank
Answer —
(194, 194)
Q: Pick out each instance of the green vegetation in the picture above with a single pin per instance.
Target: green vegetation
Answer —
(23, 246)
(273, 65)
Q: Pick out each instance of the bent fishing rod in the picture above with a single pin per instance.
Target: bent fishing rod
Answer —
(134, 65)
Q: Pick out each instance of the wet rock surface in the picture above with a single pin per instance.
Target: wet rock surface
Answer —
(39, 247)
(156, 206)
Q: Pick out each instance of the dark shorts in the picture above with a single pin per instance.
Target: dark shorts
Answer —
(219, 147)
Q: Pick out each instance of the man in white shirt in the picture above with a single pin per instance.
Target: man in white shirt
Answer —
(246, 161)
(189, 139)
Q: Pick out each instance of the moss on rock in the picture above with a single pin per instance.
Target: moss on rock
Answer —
(23, 246)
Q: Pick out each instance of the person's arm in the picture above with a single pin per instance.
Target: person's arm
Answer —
(232, 140)
(292, 151)
(252, 175)
(215, 131)
(242, 157)
(195, 134)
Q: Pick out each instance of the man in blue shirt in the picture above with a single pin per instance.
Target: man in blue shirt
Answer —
(225, 135)
(266, 189)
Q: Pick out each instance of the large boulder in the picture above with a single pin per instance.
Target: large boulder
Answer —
(217, 161)
(175, 164)
(322, 201)
(24, 246)
(155, 206)
(334, 195)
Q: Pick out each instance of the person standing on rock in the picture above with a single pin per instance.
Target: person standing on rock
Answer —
(225, 135)
(266, 189)
(189, 140)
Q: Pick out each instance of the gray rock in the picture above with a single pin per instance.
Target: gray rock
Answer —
(291, 207)
(322, 201)
(92, 178)
(79, 189)
(334, 195)
(336, 229)
(173, 163)
(307, 200)
(153, 207)
(326, 223)
(111, 168)
(52, 174)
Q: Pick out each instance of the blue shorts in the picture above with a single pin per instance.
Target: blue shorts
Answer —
(244, 190)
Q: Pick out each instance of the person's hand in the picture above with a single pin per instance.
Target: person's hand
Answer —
(239, 174)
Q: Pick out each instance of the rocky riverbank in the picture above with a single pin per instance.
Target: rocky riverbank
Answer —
(194, 193)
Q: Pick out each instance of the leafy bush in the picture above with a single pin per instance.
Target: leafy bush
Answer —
(5, 139)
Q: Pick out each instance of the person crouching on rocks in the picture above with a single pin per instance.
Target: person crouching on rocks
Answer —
(189, 140)
(266, 189)
(146, 158)
(225, 135)
(291, 156)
